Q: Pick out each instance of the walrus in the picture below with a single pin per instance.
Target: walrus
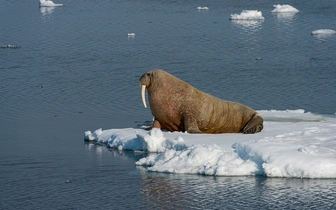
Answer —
(178, 106)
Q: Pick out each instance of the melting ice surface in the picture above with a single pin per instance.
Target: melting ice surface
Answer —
(292, 144)
(284, 8)
(248, 15)
(49, 3)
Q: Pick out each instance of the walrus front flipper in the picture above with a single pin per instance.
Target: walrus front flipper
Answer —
(255, 125)
(156, 124)
(190, 125)
(194, 131)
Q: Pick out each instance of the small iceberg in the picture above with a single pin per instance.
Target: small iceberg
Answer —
(131, 35)
(202, 8)
(323, 32)
(49, 3)
(248, 15)
(285, 8)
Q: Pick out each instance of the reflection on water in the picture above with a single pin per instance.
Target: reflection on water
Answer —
(183, 191)
(249, 25)
(285, 20)
(162, 191)
(46, 10)
(324, 37)
(284, 16)
(199, 192)
(92, 148)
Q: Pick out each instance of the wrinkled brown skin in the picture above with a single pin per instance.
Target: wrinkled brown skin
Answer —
(178, 106)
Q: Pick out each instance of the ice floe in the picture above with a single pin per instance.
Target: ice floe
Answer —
(323, 32)
(202, 8)
(293, 144)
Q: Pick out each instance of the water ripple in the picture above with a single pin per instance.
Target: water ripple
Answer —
(203, 192)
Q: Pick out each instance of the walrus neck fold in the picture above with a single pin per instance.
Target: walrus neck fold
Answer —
(143, 90)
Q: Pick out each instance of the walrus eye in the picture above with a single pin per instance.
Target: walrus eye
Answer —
(148, 74)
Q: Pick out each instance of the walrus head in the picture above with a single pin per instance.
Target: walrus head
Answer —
(145, 82)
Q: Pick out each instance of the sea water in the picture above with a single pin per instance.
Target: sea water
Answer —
(77, 69)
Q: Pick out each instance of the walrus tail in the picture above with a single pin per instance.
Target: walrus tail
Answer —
(255, 125)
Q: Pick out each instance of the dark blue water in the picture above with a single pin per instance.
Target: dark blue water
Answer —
(78, 70)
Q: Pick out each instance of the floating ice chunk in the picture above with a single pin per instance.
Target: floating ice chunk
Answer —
(202, 8)
(323, 32)
(131, 35)
(49, 3)
(10, 46)
(284, 8)
(88, 136)
(248, 15)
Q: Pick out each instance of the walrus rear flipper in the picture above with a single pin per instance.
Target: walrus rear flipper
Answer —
(255, 125)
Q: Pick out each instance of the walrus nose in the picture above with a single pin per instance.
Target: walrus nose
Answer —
(143, 90)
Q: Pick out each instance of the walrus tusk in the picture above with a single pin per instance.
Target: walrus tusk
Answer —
(143, 90)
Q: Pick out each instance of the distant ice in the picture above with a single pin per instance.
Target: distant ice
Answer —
(293, 144)
(202, 8)
(248, 15)
(323, 32)
(131, 35)
(49, 3)
(10, 46)
(285, 8)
